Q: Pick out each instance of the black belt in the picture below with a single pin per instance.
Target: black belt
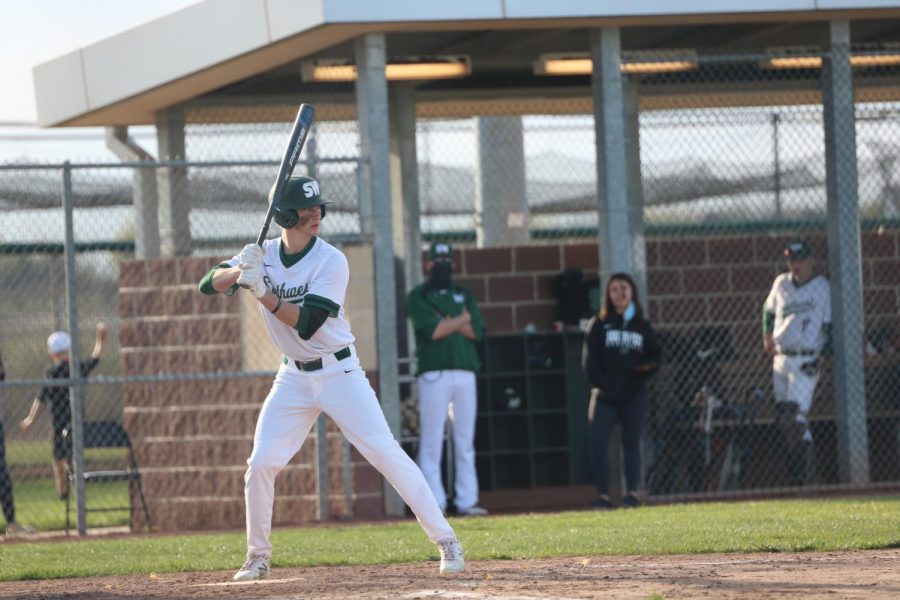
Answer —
(798, 352)
(315, 365)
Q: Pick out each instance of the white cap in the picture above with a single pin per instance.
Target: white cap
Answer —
(58, 342)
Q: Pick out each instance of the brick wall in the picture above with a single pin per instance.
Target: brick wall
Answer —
(514, 286)
(713, 280)
(192, 438)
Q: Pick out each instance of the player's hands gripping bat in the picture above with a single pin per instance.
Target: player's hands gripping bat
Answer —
(251, 276)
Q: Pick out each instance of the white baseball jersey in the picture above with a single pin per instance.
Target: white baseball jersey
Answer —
(319, 278)
(800, 312)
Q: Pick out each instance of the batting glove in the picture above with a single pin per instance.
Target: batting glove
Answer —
(251, 254)
(252, 279)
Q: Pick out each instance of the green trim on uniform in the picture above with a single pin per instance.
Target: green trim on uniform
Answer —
(768, 322)
(313, 301)
(302, 325)
(828, 345)
(289, 260)
(206, 285)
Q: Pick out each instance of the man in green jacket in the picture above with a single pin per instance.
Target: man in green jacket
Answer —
(448, 326)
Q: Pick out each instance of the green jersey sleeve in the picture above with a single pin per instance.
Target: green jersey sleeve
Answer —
(206, 286)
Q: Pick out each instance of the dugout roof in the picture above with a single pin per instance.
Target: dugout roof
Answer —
(222, 59)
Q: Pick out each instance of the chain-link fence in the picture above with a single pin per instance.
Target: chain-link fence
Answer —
(732, 166)
(726, 417)
(143, 332)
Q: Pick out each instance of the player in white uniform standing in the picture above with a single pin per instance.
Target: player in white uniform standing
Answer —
(797, 334)
(300, 282)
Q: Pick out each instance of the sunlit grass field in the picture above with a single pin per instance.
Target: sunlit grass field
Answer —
(38, 504)
(761, 526)
(38, 453)
(36, 500)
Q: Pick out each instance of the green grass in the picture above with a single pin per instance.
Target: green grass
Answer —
(36, 500)
(768, 526)
(38, 504)
(38, 453)
(28, 453)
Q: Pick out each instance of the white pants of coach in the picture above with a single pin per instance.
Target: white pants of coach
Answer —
(441, 394)
(791, 384)
(341, 391)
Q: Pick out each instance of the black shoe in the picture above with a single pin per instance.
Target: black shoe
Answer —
(630, 501)
(602, 503)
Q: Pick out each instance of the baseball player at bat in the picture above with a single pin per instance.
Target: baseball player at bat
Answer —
(797, 335)
(300, 282)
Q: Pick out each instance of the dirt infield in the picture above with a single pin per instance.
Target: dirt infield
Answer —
(857, 574)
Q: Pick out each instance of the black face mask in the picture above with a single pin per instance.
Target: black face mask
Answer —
(440, 276)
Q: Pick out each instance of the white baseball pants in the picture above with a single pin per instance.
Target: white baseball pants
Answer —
(341, 391)
(441, 394)
(793, 385)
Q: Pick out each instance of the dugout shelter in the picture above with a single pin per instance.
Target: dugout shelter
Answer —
(387, 64)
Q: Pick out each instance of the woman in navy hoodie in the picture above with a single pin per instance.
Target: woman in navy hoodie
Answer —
(621, 351)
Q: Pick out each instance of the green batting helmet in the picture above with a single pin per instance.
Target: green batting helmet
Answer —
(299, 192)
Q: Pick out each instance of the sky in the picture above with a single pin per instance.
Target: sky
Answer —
(35, 31)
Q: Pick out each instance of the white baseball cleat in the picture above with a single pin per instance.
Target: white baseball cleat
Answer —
(452, 560)
(256, 567)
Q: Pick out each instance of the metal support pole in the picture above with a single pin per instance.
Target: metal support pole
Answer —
(405, 199)
(322, 479)
(776, 149)
(375, 152)
(76, 382)
(348, 477)
(405, 181)
(635, 188)
(143, 190)
(612, 166)
(844, 258)
(501, 207)
(172, 187)
(611, 124)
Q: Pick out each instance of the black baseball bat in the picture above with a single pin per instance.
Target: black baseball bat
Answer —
(302, 124)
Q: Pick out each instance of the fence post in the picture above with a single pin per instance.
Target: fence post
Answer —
(844, 258)
(76, 382)
(612, 168)
(776, 166)
(375, 152)
(322, 478)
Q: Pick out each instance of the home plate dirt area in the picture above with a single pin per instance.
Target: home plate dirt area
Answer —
(854, 574)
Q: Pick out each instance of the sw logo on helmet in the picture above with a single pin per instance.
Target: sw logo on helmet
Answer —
(299, 192)
(311, 188)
